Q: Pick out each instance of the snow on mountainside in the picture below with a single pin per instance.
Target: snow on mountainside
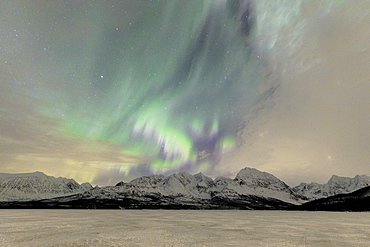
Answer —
(37, 185)
(250, 181)
(221, 183)
(336, 185)
(250, 189)
(180, 184)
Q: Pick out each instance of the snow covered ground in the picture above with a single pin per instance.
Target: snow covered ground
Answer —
(182, 228)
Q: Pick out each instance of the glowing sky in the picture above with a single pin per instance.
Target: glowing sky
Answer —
(108, 90)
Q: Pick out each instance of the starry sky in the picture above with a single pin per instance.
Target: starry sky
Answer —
(103, 91)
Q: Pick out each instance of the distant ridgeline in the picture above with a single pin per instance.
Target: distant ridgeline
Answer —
(250, 189)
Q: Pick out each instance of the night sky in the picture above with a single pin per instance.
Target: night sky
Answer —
(103, 91)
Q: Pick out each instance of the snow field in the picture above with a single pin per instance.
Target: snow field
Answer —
(182, 228)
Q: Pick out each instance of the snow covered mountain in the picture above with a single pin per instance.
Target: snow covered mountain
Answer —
(177, 185)
(36, 186)
(251, 189)
(336, 185)
(181, 183)
(358, 200)
(250, 181)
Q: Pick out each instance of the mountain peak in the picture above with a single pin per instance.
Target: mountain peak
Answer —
(121, 183)
(254, 175)
(30, 174)
(336, 178)
(183, 174)
(200, 176)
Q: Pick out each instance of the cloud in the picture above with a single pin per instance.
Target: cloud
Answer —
(58, 115)
(317, 121)
(30, 141)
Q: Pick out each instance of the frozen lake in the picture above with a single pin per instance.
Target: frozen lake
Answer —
(182, 228)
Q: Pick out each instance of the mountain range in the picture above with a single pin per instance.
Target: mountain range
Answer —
(36, 186)
(336, 185)
(250, 189)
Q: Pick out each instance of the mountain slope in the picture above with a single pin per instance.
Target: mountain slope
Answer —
(250, 181)
(358, 200)
(335, 185)
(37, 185)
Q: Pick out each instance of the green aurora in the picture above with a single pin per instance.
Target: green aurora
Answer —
(103, 91)
(165, 80)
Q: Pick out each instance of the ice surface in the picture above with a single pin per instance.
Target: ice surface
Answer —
(182, 228)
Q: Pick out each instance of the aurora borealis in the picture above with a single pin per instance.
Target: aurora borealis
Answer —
(106, 90)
